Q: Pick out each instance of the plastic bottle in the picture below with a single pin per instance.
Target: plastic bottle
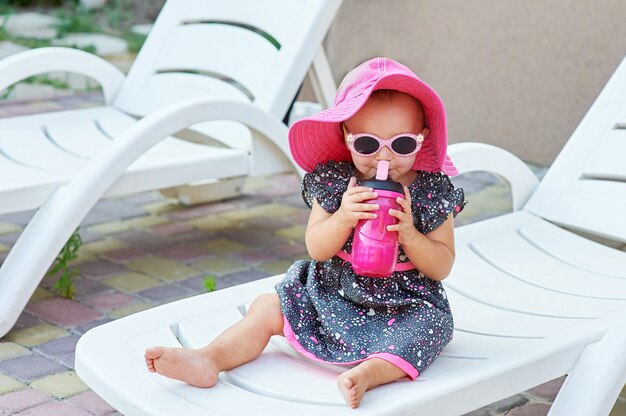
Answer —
(374, 249)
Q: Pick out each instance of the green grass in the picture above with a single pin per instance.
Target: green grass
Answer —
(64, 286)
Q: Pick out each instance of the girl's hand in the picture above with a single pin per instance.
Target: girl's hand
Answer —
(405, 228)
(353, 208)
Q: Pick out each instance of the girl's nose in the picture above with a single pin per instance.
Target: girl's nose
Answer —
(384, 154)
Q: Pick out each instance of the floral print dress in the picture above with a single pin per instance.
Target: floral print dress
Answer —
(333, 315)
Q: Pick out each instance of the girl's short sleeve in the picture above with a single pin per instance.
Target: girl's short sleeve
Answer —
(433, 199)
(327, 184)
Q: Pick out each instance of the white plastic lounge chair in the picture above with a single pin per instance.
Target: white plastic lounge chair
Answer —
(244, 60)
(532, 301)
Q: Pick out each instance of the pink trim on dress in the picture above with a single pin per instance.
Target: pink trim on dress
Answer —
(399, 362)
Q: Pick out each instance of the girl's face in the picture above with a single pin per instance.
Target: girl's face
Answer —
(386, 118)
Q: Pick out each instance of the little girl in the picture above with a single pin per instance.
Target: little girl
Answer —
(391, 327)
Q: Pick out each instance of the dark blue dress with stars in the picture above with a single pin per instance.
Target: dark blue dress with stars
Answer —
(333, 315)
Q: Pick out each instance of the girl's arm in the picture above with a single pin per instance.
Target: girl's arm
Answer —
(431, 253)
(327, 233)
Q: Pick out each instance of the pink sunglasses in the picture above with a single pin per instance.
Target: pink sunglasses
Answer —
(367, 144)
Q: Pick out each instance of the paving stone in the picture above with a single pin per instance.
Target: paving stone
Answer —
(143, 198)
(26, 320)
(131, 282)
(58, 347)
(143, 239)
(201, 211)
(83, 257)
(61, 386)
(101, 268)
(124, 255)
(88, 236)
(9, 239)
(549, 390)
(63, 312)
(267, 224)
(31, 25)
(92, 403)
(184, 253)
(164, 268)
(163, 294)
(147, 221)
(30, 367)
(88, 287)
(112, 227)
(194, 285)
(35, 335)
(129, 310)
(104, 44)
(7, 227)
(223, 246)
(295, 233)
(10, 350)
(3, 248)
(533, 409)
(54, 409)
(275, 267)
(41, 293)
(255, 256)
(96, 217)
(293, 200)
(81, 329)
(68, 360)
(21, 400)
(276, 210)
(7, 385)
(491, 201)
(301, 217)
(105, 246)
(213, 223)
(119, 208)
(237, 278)
(251, 237)
(163, 207)
(289, 249)
(171, 229)
(250, 201)
(242, 214)
(109, 301)
(220, 265)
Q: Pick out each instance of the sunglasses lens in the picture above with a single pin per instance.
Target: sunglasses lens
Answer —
(366, 145)
(404, 145)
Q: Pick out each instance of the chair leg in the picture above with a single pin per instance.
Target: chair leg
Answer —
(34, 252)
(598, 376)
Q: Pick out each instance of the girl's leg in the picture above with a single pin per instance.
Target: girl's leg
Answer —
(365, 376)
(239, 344)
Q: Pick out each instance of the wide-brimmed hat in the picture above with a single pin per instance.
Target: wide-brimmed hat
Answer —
(319, 138)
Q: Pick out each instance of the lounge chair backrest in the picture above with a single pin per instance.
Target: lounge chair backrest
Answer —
(585, 189)
(227, 49)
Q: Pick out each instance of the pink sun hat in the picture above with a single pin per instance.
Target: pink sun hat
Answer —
(320, 138)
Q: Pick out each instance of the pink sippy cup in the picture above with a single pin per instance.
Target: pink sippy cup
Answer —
(374, 249)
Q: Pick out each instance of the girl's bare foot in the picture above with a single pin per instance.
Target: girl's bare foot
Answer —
(195, 367)
(352, 385)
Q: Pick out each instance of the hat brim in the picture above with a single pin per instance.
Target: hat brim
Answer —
(319, 138)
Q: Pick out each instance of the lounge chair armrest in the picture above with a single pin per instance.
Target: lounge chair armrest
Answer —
(25, 64)
(476, 157)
